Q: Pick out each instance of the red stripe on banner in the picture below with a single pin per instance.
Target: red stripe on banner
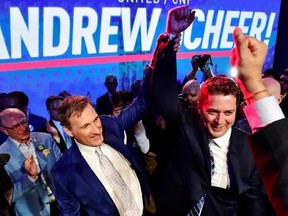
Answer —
(5, 67)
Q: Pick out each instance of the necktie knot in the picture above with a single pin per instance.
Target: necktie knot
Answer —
(99, 152)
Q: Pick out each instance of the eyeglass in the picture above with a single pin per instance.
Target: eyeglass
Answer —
(16, 127)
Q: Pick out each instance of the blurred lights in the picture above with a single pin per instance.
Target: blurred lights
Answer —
(233, 72)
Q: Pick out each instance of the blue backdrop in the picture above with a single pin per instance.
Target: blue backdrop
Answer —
(50, 46)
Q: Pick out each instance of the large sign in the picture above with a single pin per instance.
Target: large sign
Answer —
(48, 46)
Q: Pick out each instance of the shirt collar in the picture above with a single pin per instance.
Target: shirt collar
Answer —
(57, 123)
(18, 144)
(223, 141)
(90, 150)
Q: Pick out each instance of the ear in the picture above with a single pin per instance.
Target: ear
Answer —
(4, 130)
(279, 99)
(68, 131)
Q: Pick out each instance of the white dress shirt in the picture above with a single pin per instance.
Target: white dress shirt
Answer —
(141, 138)
(219, 150)
(27, 150)
(121, 164)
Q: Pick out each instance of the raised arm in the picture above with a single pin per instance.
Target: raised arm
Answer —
(164, 79)
(269, 142)
(248, 57)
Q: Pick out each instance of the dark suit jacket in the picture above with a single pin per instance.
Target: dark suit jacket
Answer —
(243, 125)
(5, 185)
(38, 123)
(284, 105)
(188, 176)
(62, 145)
(76, 184)
(104, 105)
(270, 149)
(3, 137)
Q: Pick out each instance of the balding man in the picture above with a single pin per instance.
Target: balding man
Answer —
(33, 155)
(274, 89)
(191, 89)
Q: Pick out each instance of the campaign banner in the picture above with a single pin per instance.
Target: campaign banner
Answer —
(47, 46)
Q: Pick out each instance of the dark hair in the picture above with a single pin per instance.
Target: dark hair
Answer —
(64, 94)
(50, 99)
(3, 97)
(72, 106)
(121, 96)
(22, 97)
(219, 85)
(110, 76)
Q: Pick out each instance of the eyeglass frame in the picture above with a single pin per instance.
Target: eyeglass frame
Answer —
(16, 127)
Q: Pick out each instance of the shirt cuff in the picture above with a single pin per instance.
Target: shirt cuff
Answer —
(263, 112)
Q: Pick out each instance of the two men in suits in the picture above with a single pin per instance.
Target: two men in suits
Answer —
(212, 171)
(104, 102)
(32, 158)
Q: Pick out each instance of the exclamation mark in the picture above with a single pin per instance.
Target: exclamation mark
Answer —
(269, 28)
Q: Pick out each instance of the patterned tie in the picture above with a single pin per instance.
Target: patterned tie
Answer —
(120, 188)
(195, 211)
(212, 163)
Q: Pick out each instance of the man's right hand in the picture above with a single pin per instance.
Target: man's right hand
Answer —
(30, 167)
(179, 19)
(248, 57)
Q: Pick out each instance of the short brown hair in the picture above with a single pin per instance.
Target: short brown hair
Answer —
(72, 106)
(219, 85)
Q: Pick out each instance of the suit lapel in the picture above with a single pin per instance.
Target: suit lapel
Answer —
(62, 145)
(207, 155)
(16, 156)
(235, 149)
(42, 159)
(81, 167)
(204, 154)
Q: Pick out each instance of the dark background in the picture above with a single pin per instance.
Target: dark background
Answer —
(281, 51)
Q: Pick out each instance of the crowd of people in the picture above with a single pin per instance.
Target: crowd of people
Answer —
(154, 150)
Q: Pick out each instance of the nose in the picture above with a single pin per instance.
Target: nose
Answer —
(220, 118)
(96, 129)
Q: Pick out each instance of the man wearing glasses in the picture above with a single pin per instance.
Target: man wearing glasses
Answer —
(33, 155)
